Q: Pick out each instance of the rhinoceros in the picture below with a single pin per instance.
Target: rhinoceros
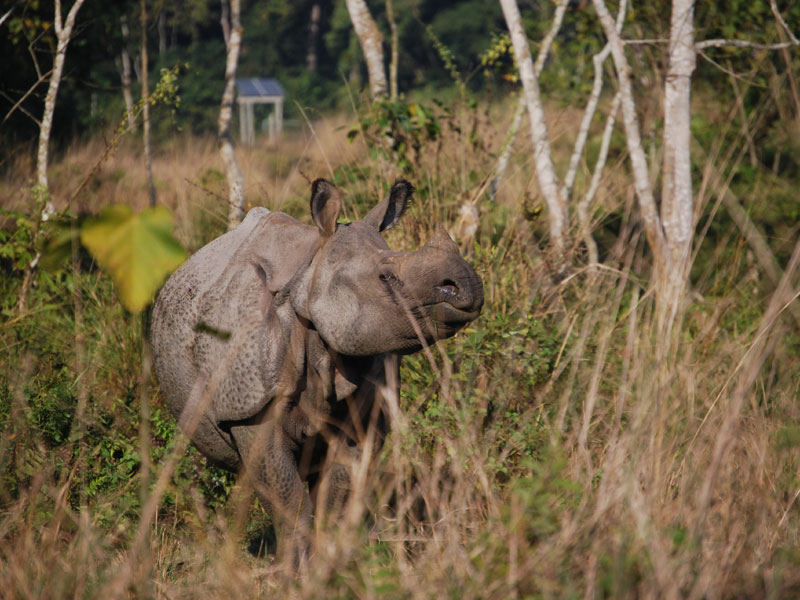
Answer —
(275, 344)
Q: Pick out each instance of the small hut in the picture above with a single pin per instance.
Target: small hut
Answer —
(259, 90)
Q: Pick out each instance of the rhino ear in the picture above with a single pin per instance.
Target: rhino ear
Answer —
(326, 202)
(389, 210)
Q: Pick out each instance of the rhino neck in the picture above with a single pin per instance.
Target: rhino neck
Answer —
(335, 376)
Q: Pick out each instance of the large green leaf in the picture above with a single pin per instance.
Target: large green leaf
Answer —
(137, 250)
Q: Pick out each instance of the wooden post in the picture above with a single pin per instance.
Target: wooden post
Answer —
(251, 124)
(242, 125)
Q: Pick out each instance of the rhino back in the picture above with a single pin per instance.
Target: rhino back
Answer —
(210, 313)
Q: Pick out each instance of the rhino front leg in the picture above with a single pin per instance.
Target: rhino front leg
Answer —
(270, 466)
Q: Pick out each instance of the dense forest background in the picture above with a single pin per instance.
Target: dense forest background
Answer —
(320, 66)
(570, 442)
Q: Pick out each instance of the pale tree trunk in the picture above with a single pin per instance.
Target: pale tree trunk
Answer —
(42, 192)
(236, 205)
(63, 35)
(395, 51)
(162, 32)
(641, 177)
(541, 58)
(370, 38)
(225, 21)
(125, 58)
(313, 37)
(670, 233)
(148, 162)
(676, 193)
(548, 182)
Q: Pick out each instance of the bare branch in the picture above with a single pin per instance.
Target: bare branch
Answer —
(780, 20)
(5, 16)
(547, 41)
(541, 58)
(583, 206)
(224, 20)
(591, 107)
(641, 178)
(645, 42)
(57, 19)
(548, 183)
(18, 103)
(720, 43)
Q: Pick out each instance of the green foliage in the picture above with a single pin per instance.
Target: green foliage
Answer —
(499, 58)
(138, 250)
(16, 244)
(397, 131)
(544, 492)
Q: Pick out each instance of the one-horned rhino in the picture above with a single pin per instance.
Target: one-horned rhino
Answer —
(275, 344)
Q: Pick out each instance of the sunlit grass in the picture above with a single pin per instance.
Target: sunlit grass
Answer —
(555, 448)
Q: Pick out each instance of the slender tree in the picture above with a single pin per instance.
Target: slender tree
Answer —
(548, 182)
(370, 39)
(313, 37)
(148, 163)
(233, 174)
(677, 206)
(125, 72)
(63, 31)
(225, 21)
(395, 57)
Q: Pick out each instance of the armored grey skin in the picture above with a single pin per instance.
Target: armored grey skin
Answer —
(274, 343)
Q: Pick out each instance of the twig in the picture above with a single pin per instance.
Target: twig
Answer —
(583, 205)
(23, 98)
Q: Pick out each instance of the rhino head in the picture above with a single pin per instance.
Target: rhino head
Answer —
(365, 299)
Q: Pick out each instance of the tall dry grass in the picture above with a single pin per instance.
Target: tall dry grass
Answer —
(630, 465)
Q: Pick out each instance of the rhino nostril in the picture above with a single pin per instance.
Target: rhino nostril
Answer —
(448, 286)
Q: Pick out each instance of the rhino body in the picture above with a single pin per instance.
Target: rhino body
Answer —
(275, 343)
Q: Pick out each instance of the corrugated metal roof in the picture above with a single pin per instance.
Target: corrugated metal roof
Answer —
(259, 87)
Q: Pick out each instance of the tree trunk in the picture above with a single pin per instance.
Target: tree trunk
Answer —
(125, 58)
(225, 21)
(395, 51)
(162, 32)
(548, 182)
(676, 193)
(63, 35)
(370, 38)
(313, 38)
(641, 177)
(148, 163)
(42, 190)
(541, 58)
(233, 174)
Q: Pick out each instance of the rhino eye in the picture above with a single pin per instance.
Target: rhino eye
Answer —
(389, 278)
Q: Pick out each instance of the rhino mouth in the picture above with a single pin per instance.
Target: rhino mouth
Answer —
(440, 320)
(446, 314)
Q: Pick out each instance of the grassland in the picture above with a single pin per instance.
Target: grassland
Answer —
(558, 447)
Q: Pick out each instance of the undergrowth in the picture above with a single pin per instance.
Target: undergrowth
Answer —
(556, 447)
